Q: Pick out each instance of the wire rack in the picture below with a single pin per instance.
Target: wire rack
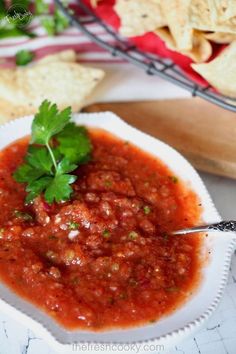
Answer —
(152, 64)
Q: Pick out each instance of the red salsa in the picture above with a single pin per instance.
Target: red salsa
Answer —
(104, 259)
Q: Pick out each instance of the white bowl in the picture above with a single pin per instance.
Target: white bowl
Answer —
(170, 329)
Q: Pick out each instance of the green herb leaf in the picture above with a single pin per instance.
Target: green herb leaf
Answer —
(24, 57)
(165, 236)
(23, 3)
(27, 173)
(174, 179)
(2, 8)
(61, 21)
(73, 225)
(56, 23)
(48, 24)
(36, 187)
(39, 158)
(52, 237)
(172, 289)
(146, 209)
(23, 215)
(56, 149)
(106, 233)
(107, 183)
(65, 166)
(41, 7)
(15, 32)
(75, 143)
(133, 235)
(59, 189)
(152, 321)
(48, 122)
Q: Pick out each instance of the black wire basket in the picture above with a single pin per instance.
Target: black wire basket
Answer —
(152, 64)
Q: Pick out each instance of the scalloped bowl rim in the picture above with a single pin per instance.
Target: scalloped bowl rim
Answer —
(167, 330)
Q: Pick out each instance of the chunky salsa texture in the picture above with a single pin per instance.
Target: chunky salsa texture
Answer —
(104, 259)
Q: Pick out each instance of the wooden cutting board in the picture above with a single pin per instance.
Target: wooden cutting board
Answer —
(202, 132)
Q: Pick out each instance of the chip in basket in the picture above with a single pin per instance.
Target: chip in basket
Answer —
(221, 72)
(193, 28)
(201, 48)
(176, 13)
(221, 37)
(139, 17)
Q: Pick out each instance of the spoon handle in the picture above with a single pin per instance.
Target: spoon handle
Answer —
(224, 226)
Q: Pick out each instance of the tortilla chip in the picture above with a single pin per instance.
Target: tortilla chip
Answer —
(223, 14)
(177, 16)
(65, 83)
(166, 36)
(8, 111)
(199, 15)
(65, 55)
(220, 37)
(139, 17)
(230, 10)
(218, 9)
(201, 50)
(205, 15)
(221, 72)
(222, 10)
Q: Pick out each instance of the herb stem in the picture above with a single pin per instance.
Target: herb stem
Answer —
(52, 156)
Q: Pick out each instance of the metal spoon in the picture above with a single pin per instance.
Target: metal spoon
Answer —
(223, 226)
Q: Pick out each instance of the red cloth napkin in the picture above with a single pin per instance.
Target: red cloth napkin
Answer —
(150, 42)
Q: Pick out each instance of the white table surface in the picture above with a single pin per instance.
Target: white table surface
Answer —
(218, 336)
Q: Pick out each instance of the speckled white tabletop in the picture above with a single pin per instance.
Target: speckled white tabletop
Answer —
(218, 335)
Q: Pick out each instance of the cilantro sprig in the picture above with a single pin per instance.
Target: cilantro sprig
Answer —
(24, 57)
(52, 23)
(57, 147)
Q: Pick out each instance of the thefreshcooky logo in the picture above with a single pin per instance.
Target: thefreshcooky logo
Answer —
(135, 348)
(16, 15)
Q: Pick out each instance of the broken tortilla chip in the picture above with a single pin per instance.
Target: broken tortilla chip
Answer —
(66, 83)
(220, 37)
(177, 17)
(9, 111)
(230, 10)
(222, 10)
(166, 36)
(201, 49)
(221, 72)
(223, 15)
(199, 15)
(139, 17)
(204, 15)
